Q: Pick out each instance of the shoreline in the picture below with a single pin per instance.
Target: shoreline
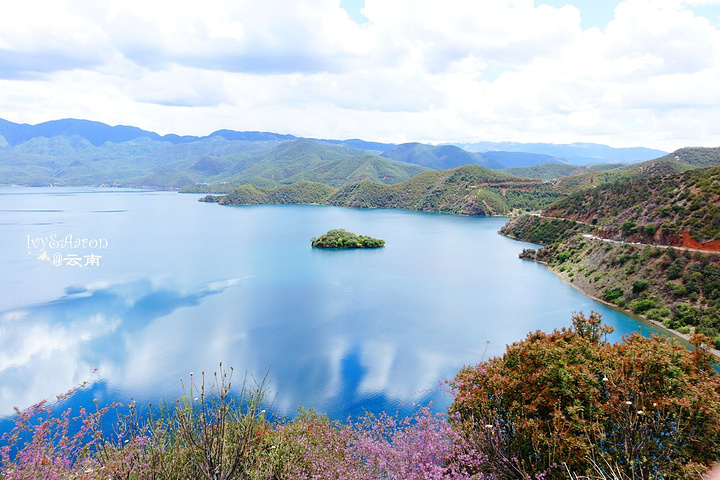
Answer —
(655, 323)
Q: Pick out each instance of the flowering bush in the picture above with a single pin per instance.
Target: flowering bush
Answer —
(569, 401)
(210, 434)
(43, 445)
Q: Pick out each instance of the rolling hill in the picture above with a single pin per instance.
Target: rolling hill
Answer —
(440, 157)
(551, 171)
(592, 179)
(466, 190)
(298, 193)
(695, 156)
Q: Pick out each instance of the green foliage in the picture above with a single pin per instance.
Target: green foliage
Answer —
(550, 171)
(639, 286)
(696, 156)
(540, 230)
(562, 257)
(577, 183)
(675, 269)
(629, 228)
(611, 295)
(642, 306)
(301, 192)
(339, 238)
(467, 190)
(657, 205)
(338, 173)
(645, 407)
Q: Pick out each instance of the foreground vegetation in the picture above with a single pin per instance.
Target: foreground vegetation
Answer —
(561, 405)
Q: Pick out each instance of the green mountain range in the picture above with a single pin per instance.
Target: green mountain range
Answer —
(82, 152)
(551, 171)
(467, 190)
(438, 157)
(575, 153)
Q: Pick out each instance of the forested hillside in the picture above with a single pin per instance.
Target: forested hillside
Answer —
(647, 244)
(468, 190)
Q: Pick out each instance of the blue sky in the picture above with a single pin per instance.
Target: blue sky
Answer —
(594, 13)
(624, 73)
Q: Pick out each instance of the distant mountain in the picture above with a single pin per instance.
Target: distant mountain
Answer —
(98, 133)
(94, 132)
(440, 157)
(308, 160)
(82, 152)
(361, 145)
(292, 158)
(74, 160)
(521, 159)
(551, 171)
(252, 136)
(576, 153)
(338, 173)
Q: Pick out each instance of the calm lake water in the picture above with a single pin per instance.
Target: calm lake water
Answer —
(149, 286)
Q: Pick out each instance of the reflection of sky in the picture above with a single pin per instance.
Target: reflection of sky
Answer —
(184, 286)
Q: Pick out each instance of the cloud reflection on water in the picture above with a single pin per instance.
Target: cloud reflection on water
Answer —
(145, 334)
(48, 348)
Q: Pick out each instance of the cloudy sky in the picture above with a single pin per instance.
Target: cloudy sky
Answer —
(628, 73)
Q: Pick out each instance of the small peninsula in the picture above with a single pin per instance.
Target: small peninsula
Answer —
(339, 238)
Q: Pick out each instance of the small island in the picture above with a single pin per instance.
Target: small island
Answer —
(339, 238)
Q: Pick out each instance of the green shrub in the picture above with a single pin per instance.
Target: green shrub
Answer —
(639, 286)
(675, 269)
(642, 306)
(612, 295)
(676, 289)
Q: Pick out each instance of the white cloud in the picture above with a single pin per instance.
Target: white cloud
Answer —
(418, 70)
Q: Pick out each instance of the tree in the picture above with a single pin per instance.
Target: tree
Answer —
(570, 401)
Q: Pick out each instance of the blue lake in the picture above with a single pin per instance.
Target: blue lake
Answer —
(149, 286)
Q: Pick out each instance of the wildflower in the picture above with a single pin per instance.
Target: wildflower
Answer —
(640, 412)
(488, 426)
(628, 402)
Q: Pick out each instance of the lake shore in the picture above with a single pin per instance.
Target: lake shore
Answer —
(566, 279)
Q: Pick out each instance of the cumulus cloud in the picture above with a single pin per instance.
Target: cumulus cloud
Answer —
(417, 70)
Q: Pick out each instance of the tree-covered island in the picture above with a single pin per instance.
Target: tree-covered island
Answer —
(339, 238)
